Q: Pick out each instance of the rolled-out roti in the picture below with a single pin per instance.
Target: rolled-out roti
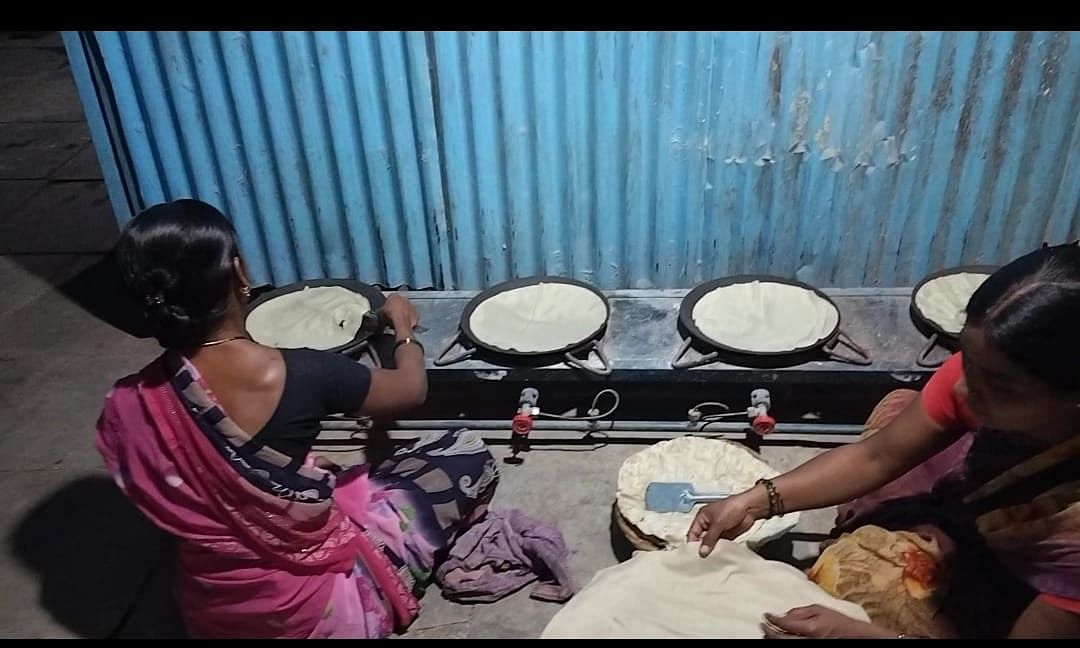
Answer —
(538, 318)
(944, 300)
(765, 317)
(313, 318)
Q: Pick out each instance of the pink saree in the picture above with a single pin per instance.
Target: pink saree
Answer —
(253, 561)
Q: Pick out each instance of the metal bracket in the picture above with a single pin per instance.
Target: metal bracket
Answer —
(443, 361)
(592, 347)
(678, 363)
(863, 358)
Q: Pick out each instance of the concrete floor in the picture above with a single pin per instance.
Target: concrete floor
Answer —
(77, 556)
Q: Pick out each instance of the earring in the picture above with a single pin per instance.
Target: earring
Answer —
(246, 291)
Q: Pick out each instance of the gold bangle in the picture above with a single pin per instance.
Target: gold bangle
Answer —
(408, 340)
(770, 490)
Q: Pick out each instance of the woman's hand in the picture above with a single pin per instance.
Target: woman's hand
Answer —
(401, 313)
(326, 464)
(819, 622)
(728, 519)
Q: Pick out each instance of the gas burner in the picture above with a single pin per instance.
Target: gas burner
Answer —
(940, 317)
(815, 345)
(543, 333)
(370, 328)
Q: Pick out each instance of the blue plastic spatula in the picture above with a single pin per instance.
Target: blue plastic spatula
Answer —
(676, 497)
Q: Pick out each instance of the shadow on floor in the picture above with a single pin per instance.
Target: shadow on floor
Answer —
(99, 290)
(105, 571)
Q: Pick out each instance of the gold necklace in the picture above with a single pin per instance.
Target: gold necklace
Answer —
(223, 340)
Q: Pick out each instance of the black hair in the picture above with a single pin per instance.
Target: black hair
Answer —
(176, 259)
(1030, 310)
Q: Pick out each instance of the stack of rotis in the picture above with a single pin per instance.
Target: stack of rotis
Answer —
(711, 465)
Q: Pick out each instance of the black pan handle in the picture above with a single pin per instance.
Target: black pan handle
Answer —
(443, 361)
(862, 358)
(923, 359)
(592, 347)
(678, 362)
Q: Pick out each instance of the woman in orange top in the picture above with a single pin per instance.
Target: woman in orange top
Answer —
(962, 512)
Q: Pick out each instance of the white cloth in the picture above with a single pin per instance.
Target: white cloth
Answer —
(678, 594)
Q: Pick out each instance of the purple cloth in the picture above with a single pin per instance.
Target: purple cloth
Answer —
(502, 553)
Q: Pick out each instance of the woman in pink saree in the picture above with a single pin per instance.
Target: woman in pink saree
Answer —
(211, 442)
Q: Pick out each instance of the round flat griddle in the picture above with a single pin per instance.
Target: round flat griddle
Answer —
(938, 336)
(371, 293)
(473, 344)
(714, 350)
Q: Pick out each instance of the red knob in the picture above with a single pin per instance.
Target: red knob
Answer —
(764, 424)
(522, 424)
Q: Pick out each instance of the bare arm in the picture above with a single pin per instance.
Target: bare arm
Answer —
(393, 391)
(834, 477)
(1040, 620)
(850, 471)
(819, 622)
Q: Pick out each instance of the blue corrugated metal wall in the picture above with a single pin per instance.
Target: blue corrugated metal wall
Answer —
(457, 160)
